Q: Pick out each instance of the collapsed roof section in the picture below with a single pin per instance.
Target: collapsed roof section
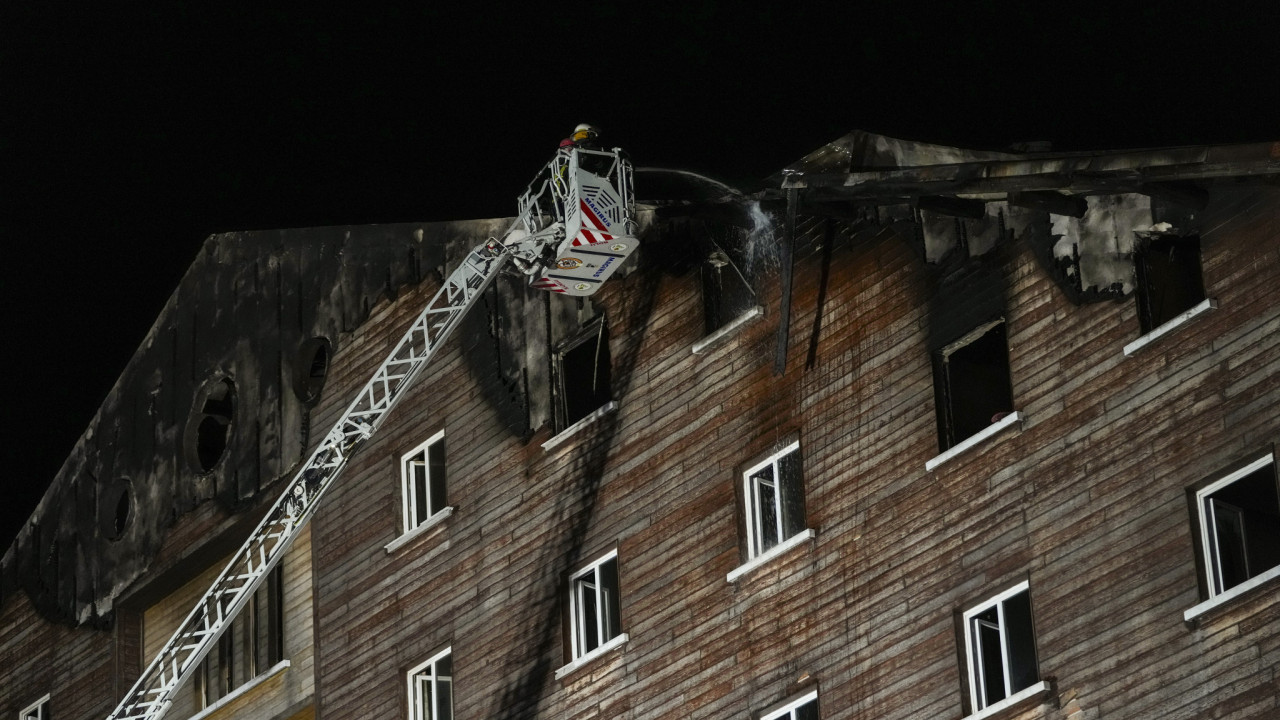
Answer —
(1081, 212)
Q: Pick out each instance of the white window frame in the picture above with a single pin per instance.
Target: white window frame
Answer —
(753, 506)
(413, 683)
(408, 488)
(578, 584)
(788, 710)
(38, 710)
(972, 651)
(1208, 537)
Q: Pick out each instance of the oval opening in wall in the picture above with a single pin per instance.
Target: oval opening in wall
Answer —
(115, 508)
(311, 368)
(209, 426)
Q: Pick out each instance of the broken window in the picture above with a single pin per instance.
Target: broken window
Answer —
(726, 294)
(209, 426)
(39, 710)
(422, 479)
(251, 646)
(802, 708)
(1000, 648)
(1169, 279)
(583, 378)
(1239, 524)
(594, 616)
(773, 491)
(431, 689)
(311, 367)
(971, 383)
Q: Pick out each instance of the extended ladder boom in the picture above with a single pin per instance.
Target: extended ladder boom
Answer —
(531, 240)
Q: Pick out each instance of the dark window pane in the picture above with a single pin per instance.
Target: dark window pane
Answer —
(435, 460)
(1021, 639)
(807, 711)
(588, 614)
(977, 385)
(792, 482)
(609, 596)
(1169, 278)
(988, 657)
(444, 689)
(585, 377)
(1231, 567)
(420, 492)
(767, 510)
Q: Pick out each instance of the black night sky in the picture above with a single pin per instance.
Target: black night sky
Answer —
(128, 133)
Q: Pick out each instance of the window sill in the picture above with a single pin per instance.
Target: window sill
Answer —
(1038, 690)
(241, 691)
(1195, 613)
(431, 522)
(573, 429)
(604, 649)
(974, 439)
(764, 558)
(1202, 307)
(714, 339)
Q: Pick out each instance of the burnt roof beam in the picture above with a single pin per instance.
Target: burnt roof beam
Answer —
(1050, 202)
(953, 206)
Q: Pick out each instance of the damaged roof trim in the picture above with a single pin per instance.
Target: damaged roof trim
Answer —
(1071, 175)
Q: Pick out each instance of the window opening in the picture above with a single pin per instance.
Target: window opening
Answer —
(422, 473)
(252, 645)
(593, 606)
(431, 689)
(1169, 279)
(1239, 518)
(311, 368)
(999, 644)
(972, 384)
(115, 508)
(584, 375)
(774, 493)
(209, 427)
(726, 294)
(39, 710)
(802, 708)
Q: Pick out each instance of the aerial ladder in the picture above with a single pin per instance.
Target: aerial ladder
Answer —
(576, 225)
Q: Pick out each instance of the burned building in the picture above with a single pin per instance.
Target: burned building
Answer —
(913, 432)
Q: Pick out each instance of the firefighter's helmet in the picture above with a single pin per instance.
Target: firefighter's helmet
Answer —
(585, 132)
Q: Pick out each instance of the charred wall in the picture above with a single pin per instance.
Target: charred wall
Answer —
(209, 408)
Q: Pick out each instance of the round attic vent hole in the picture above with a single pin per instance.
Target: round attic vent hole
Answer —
(310, 368)
(115, 508)
(209, 427)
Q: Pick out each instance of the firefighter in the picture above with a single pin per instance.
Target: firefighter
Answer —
(584, 136)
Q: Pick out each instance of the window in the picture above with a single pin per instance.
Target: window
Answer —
(583, 374)
(774, 500)
(726, 294)
(803, 708)
(1239, 526)
(1000, 648)
(431, 689)
(1169, 279)
(971, 384)
(422, 478)
(250, 647)
(38, 710)
(594, 617)
(209, 425)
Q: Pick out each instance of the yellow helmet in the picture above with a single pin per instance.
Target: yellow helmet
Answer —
(585, 132)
